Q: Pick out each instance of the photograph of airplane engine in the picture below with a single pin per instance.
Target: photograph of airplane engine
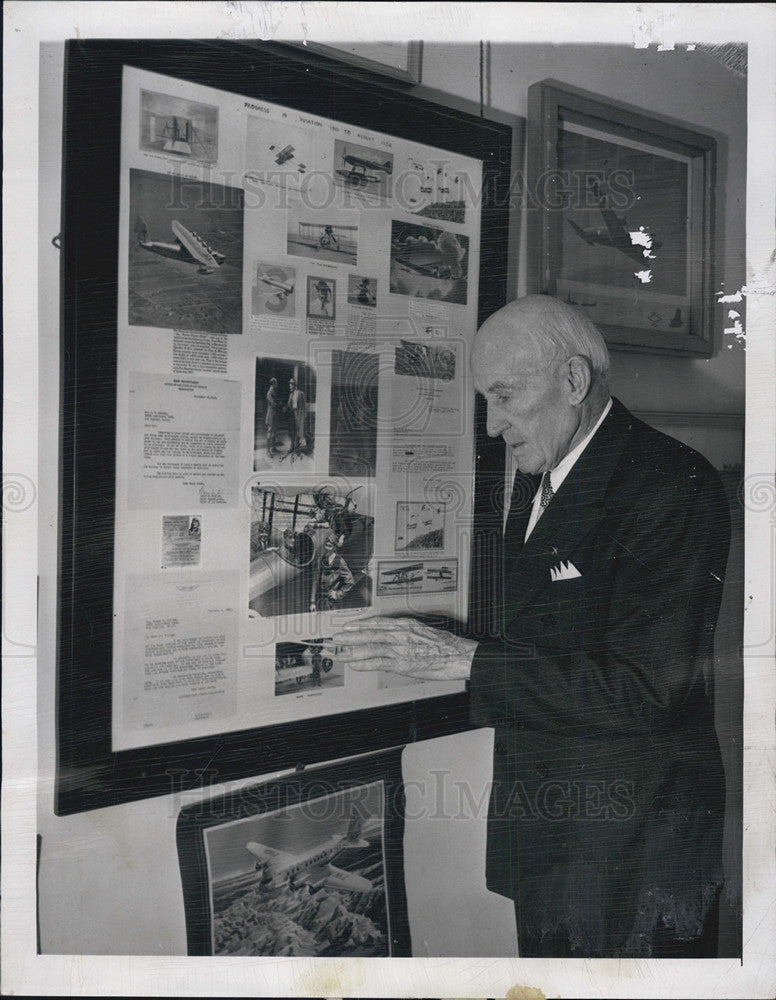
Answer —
(305, 880)
(185, 129)
(274, 290)
(363, 169)
(428, 263)
(306, 666)
(284, 415)
(185, 254)
(310, 549)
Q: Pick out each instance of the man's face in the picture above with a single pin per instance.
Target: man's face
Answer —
(527, 400)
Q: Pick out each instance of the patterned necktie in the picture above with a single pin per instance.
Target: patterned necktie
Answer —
(547, 491)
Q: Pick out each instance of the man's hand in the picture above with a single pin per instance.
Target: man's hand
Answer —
(405, 646)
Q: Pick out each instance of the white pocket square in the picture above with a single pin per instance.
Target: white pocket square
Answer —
(564, 571)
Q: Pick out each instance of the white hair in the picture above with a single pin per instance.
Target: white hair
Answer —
(554, 330)
(564, 332)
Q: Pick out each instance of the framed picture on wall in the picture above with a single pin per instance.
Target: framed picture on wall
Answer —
(622, 220)
(310, 865)
(401, 61)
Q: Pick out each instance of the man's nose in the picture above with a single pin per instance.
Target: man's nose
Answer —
(495, 423)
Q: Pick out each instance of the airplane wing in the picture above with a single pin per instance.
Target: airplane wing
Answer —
(198, 250)
(264, 854)
(335, 878)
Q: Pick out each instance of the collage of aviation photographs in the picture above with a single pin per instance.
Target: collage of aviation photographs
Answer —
(297, 296)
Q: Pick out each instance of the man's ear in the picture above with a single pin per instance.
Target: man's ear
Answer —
(578, 377)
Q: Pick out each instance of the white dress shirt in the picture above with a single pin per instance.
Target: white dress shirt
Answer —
(562, 469)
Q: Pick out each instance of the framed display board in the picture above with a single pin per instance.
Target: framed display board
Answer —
(311, 864)
(272, 275)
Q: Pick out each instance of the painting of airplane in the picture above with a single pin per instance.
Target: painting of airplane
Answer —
(188, 247)
(313, 867)
(614, 233)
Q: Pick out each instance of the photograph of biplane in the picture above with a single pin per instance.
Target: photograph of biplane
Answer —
(176, 126)
(284, 415)
(429, 263)
(305, 880)
(274, 290)
(362, 168)
(419, 525)
(321, 235)
(430, 576)
(277, 152)
(185, 254)
(309, 550)
(304, 666)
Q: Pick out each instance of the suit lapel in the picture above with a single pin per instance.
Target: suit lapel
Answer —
(573, 512)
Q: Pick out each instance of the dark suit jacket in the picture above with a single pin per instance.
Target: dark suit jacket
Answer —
(608, 798)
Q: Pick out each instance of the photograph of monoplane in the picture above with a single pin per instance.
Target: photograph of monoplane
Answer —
(429, 263)
(182, 128)
(309, 551)
(284, 415)
(321, 235)
(363, 168)
(274, 290)
(304, 666)
(305, 880)
(185, 254)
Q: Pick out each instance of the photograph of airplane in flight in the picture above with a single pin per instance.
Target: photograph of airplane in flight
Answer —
(419, 525)
(363, 169)
(184, 129)
(429, 263)
(306, 880)
(621, 234)
(274, 290)
(185, 254)
(278, 153)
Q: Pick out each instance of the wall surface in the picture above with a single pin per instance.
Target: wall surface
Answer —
(109, 879)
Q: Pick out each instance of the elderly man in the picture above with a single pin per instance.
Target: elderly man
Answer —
(605, 819)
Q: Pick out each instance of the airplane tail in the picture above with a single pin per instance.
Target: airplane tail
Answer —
(388, 167)
(353, 837)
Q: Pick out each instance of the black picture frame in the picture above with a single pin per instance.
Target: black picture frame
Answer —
(606, 176)
(90, 773)
(349, 815)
